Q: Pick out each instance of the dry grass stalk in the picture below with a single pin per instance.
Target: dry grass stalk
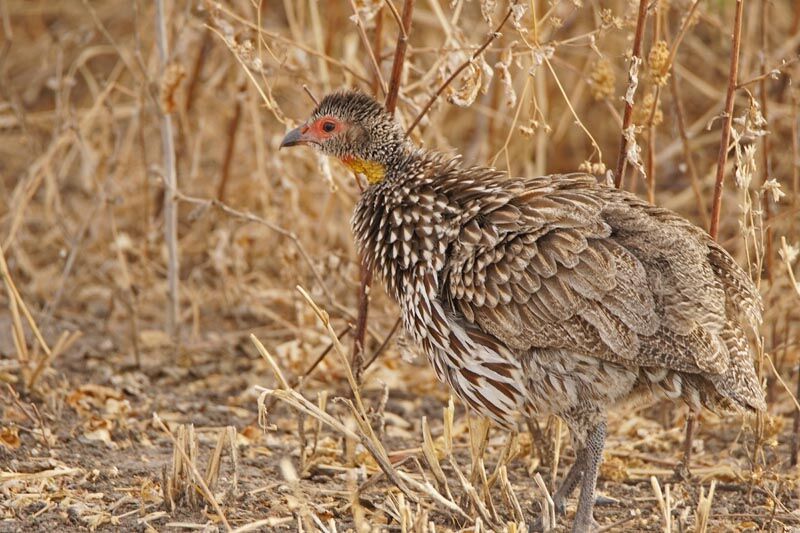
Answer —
(226, 436)
(548, 507)
(170, 179)
(64, 342)
(183, 467)
(510, 496)
(766, 158)
(30, 369)
(664, 504)
(305, 518)
(366, 434)
(363, 433)
(368, 46)
(431, 455)
(235, 213)
(472, 496)
(367, 437)
(556, 437)
(680, 114)
(733, 74)
(703, 513)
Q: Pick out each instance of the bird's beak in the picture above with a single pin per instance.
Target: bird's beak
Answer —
(296, 136)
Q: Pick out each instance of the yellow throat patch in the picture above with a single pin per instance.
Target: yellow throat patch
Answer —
(373, 170)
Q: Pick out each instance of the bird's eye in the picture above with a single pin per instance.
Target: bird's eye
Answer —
(328, 126)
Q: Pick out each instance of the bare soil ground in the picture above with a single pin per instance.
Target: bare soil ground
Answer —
(106, 461)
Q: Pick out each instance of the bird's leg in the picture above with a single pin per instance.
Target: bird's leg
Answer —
(565, 489)
(593, 454)
(570, 482)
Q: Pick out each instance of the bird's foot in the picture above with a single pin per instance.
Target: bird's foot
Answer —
(681, 472)
(560, 505)
(589, 525)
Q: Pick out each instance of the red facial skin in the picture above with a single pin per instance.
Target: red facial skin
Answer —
(317, 132)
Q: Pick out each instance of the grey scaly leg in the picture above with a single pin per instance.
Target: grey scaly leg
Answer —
(570, 482)
(565, 489)
(593, 449)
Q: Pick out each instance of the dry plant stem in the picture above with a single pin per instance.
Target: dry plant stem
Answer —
(42, 428)
(197, 67)
(681, 33)
(494, 35)
(131, 302)
(595, 147)
(300, 380)
(367, 435)
(64, 342)
(785, 386)
(771, 73)
(319, 41)
(310, 95)
(365, 274)
(37, 420)
(795, 155)
(365, 40)
(357, 360)
(198, 478)
(230, 146)
(384, 344)
(795, 444)
(722, 157)
(377, 45)
(651, 128)
(766, 166)
(395, 14)
(636, 53)
(16, 303)
(171, 185)
(399, 56)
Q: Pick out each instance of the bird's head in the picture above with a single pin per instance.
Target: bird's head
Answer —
(354, 128)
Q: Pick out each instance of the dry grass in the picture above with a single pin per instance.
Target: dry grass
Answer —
(92, 345)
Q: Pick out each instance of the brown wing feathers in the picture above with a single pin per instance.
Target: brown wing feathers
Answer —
(562, 262)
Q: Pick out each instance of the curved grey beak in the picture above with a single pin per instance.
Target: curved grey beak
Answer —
(295, 137)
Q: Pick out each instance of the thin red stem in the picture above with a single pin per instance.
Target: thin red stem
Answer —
(722, 157)
(636, 53)
(365, 272)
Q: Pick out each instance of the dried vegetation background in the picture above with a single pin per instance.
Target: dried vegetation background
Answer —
(106, 105)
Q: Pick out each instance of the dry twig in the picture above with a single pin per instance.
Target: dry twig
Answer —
(722, 157)
(636, 57)
(170, 184)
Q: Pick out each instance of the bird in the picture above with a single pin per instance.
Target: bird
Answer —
(549, 295)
